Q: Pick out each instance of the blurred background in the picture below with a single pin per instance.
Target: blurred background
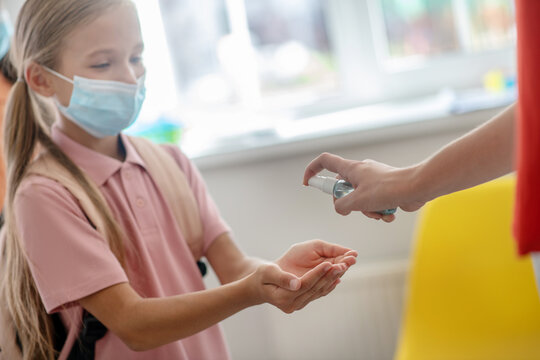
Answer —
(254, 90)
(228, 69)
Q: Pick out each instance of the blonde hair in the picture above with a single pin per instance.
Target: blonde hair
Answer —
(41, 27)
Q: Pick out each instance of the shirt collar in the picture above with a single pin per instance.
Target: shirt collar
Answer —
(97, 166)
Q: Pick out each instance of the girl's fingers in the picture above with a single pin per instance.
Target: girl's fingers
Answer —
(347, 260)
(322, 287)
(349, 254)
(328, 250)
(275, 276)
(332, 287)
(313, 276)
(326, 292)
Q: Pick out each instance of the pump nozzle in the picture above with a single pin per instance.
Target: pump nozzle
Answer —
(323, 183)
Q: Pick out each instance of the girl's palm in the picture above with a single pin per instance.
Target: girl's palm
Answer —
(305, 256)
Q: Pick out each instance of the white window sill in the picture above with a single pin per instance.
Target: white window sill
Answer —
(445, 111)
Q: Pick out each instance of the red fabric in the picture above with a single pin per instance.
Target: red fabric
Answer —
(527, 209)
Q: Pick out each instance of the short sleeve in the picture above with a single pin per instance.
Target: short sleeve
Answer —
(68, 258)
(213, 224)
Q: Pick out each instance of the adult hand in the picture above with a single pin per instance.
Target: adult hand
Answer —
(377, 186)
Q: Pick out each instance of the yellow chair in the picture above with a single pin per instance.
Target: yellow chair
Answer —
(469, 295)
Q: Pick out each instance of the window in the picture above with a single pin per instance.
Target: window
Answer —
(420, 28)
(424, 28)
(238, 65)
(229, 52)
(491, 24)
(291, 45)
(159, 118)
(417, 47)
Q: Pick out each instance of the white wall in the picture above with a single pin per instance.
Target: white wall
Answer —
(13, 7)
(268, 209)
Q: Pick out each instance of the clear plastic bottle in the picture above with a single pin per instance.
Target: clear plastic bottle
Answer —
(338, 188)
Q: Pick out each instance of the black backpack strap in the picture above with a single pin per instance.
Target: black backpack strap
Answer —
(202, 267)
(60, 334)
(85, 347)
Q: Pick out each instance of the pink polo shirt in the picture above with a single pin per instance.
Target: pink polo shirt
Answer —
(69, 259)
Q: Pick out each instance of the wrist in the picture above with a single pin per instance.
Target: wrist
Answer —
(247, 267)
(249, 291)
(413, 187)
(430, 181)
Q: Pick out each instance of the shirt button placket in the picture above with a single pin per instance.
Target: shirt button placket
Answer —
(139, 201)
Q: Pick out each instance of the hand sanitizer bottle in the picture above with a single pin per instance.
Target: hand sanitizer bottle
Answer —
(338, 188)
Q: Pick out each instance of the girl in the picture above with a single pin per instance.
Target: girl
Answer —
(135, 271)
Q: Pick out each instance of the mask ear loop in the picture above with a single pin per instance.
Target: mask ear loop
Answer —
(55, 98)
(58, 75)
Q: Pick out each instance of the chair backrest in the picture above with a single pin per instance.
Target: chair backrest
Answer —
(469, 294)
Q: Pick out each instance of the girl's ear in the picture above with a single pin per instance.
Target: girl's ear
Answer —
(39, 79)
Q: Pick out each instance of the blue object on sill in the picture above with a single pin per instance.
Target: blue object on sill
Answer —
(482, 99)
(163, 130)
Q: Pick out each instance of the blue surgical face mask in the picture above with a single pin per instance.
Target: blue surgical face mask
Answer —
(6, 30)
(100, 107)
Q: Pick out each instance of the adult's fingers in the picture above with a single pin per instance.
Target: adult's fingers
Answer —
(389, 218)
(349, 203)
(327, 161)
(346, 204)
(372, 215)
(377, 216)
